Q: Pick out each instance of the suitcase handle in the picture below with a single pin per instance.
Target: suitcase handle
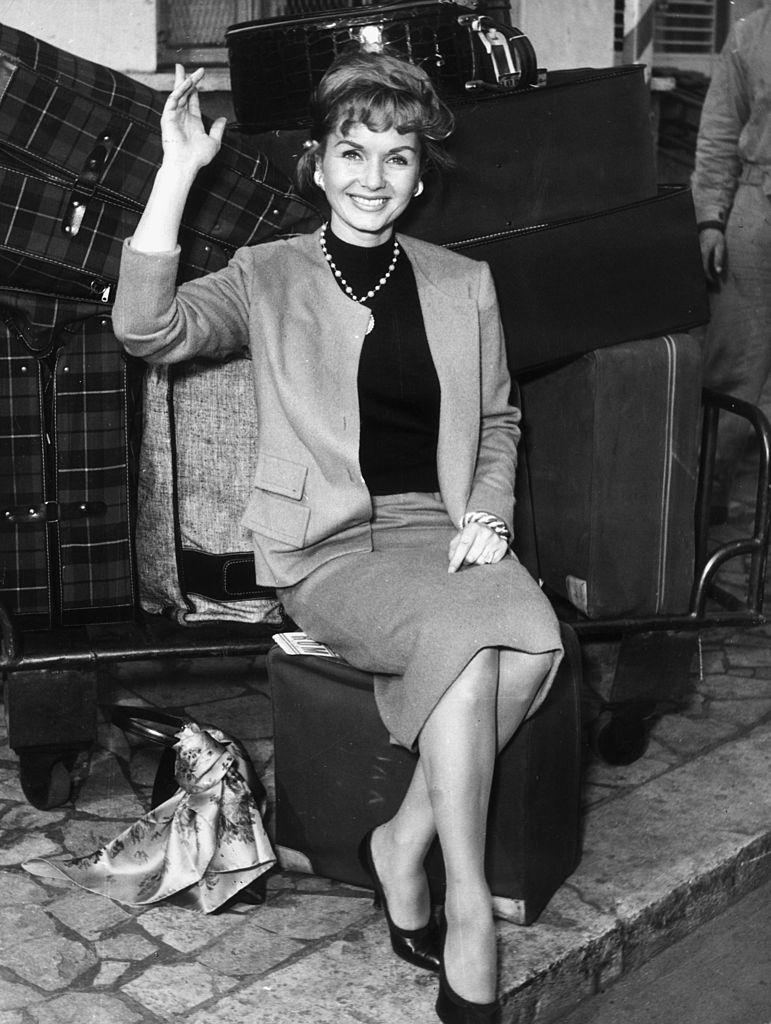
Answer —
(508, 53)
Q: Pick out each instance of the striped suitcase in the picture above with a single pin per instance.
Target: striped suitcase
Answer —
(612, 443)
(79, 145)
(67, 406)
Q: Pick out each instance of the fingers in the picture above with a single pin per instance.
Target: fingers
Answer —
(475, 544)
(185, 86)
(217, 130)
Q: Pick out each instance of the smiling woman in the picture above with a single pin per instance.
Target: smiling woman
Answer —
(369, 179)
(384, 483)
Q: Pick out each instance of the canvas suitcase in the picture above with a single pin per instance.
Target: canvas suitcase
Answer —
(276, 63)
(583, 283)
(67, 401)
(195, 560)
(612, 448)
(337, 775)
(79, 145)
(577, 145)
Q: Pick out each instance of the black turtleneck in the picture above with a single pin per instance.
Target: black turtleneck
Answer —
(398, 385)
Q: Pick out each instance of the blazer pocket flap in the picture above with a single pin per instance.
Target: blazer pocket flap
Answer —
(281, 476)
(271, 516)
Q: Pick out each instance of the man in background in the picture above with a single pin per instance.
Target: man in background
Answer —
(732, 194)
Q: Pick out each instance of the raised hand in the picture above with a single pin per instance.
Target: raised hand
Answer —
(186, 143)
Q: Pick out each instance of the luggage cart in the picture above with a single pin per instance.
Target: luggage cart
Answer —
(51, 678)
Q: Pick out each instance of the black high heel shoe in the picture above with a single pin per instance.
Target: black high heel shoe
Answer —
(454, 1009)
(419, 946)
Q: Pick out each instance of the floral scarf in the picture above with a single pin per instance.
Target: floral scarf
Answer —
(202, 846)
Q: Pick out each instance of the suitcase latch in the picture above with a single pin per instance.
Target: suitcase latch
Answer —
(85, 186)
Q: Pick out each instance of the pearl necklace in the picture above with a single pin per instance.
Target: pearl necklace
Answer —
(344, 284)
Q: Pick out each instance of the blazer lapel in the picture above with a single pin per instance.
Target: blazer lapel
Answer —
(452, 328)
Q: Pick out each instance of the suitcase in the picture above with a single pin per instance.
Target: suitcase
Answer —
(67, 406)
(337, 775)
(276, 63)
(79, 145)
(612, 443)
(584, 283)
(578, 145)
(195, 560)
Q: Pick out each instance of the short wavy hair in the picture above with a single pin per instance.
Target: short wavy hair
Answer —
(381, 91)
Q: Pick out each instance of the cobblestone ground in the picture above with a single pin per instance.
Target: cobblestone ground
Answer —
(316, 950)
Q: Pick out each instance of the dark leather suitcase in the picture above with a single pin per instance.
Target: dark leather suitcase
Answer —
(612, 449)
(67, 401)
(577, 145)
(584, 283)
(275, 63)
(79, 145)
(337, 775)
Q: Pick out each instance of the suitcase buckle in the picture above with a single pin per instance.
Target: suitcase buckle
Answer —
(85, 186)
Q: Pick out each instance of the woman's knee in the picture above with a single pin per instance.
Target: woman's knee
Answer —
(523, 673)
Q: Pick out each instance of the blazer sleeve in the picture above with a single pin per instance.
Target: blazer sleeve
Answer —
(492, 488)
(162, 323)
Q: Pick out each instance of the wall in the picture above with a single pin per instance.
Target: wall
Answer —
(119, 33)
(568, 35)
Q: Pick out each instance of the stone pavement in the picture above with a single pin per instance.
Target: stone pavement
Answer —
(668, 842)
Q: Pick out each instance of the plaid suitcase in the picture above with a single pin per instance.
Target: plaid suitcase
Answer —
(612, 442)
(276, 63)
(577, 145)
(66, 404)
(79, 145)
(195, 561)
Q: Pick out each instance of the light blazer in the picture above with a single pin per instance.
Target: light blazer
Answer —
(309, 502)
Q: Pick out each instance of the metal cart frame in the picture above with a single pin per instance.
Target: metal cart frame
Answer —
(51, 678)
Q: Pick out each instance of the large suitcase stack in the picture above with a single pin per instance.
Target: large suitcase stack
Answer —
(555, 187)
(79, 145)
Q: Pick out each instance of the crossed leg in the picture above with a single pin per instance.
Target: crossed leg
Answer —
(449, 795)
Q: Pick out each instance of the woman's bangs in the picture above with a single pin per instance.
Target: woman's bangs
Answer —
(382, 111)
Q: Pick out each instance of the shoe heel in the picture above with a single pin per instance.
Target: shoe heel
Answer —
(454, 1009)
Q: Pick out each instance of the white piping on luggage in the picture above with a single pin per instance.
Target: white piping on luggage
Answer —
(668, 465)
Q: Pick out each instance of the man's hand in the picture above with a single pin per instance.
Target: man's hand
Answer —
(476, 544)
(713, 253)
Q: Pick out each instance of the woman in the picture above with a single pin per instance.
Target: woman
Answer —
(383, 492)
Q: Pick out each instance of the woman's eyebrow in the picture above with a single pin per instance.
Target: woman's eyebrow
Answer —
(350, 144)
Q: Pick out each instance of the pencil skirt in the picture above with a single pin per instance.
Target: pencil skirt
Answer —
(396, 611)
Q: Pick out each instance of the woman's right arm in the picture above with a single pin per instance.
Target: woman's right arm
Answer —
(151, 318)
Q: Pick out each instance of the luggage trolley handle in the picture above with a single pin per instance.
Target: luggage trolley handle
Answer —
(510, 54)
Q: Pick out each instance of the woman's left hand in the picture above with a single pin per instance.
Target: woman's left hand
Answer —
(476, 544)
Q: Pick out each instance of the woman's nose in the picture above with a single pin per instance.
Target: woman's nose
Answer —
(373, 175)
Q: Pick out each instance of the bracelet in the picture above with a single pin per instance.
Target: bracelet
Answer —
(495, 523)
(704, 225)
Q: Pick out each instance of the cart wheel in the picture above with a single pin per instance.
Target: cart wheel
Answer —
(622, 740)
(45, 774)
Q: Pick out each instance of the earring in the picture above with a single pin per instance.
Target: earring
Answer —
(318, 177)
(418, 188)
